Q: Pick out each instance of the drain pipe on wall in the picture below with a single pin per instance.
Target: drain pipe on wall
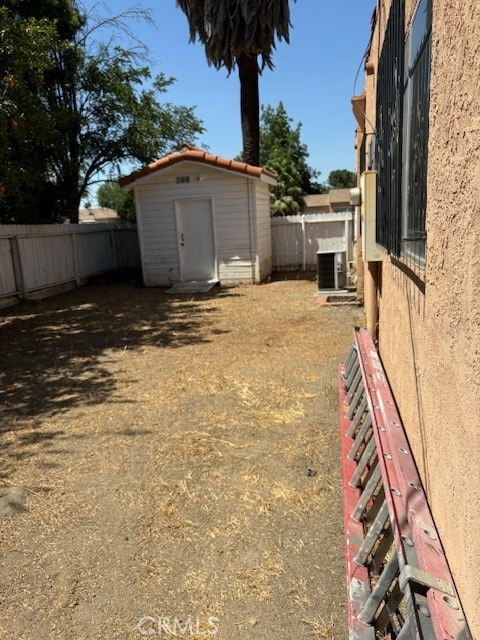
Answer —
(370, 297)
(358, 257)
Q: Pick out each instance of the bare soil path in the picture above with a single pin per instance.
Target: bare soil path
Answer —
(171, 465)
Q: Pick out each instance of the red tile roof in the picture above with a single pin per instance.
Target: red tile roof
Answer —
(191, 154)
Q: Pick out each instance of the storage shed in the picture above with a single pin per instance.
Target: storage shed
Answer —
(202, 218)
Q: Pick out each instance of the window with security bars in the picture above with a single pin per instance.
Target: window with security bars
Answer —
(416, 104)
(401, 152)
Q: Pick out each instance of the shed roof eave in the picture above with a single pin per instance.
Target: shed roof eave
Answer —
(201, 158)
(267, 179)
(172, 169)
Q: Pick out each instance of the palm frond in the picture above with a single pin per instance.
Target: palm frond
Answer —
(228, 28)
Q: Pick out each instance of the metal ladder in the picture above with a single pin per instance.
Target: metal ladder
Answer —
(399, 582)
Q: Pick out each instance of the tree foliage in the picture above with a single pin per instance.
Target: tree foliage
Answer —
(227, 29)
(282, 151)
(341, 179)
(111, 196)
(22, 182)
(90, 107)
(235, 33)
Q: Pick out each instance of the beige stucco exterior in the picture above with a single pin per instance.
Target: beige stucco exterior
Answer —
(429, 319)
(333, 201)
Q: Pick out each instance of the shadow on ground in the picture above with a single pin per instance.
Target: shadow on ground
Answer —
(279, 276)
(54, 353)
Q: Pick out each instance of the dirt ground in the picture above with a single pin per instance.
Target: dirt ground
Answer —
(171, 464)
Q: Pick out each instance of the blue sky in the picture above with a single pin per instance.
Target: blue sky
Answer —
(313, 76)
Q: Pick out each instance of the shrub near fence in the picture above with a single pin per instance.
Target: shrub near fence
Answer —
(39, 260)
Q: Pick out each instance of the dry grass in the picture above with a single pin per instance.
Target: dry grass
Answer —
(173, 457)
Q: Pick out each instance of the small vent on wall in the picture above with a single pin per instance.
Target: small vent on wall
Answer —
(187, 179)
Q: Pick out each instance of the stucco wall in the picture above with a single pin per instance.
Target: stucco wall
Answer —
(430, 342)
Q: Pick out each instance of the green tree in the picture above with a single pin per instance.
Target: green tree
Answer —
(236, 33)
(111, 196)
(282, 151)
(341, 179)
(286, 197)
(22, 172)
(92, 112)
(120, 121)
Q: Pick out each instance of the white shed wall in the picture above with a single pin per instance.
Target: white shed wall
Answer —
(234, 223)
(264, 234)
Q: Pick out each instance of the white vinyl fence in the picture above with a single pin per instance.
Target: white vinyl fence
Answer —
(296, 240)
(40, 260)
(35, 259)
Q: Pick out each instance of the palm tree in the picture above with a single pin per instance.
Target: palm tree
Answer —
(235, 33)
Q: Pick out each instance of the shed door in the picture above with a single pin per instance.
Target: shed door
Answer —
(196, 244)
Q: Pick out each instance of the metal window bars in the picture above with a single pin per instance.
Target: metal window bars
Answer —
(415, 146)
(389, 127)
(399, 582)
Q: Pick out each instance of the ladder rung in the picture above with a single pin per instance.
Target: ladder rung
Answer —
(378, 501)
(352, 374)
(372, 535)
(361, 438)
(383, 548)
(356, 400)
(367, 493)
(347, 371)
(367, 455)
(393, 600)
(357, 418)
(357, 380)
(379, 592)
(351, 355)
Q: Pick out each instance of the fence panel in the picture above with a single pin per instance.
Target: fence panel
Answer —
(46, 260)
(128, 251)
(37, 257)
(95, 252)
(324, 237)
(296, 239)
(7, 272)
(287, 242)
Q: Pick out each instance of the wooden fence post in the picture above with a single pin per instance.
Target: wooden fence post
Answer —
(113, 244)
(76, 269)
(304, 242)
(18, 267)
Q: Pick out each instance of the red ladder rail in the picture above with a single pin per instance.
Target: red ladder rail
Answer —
(399, 582)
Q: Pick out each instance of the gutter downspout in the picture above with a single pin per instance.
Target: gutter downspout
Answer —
(370, 297)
